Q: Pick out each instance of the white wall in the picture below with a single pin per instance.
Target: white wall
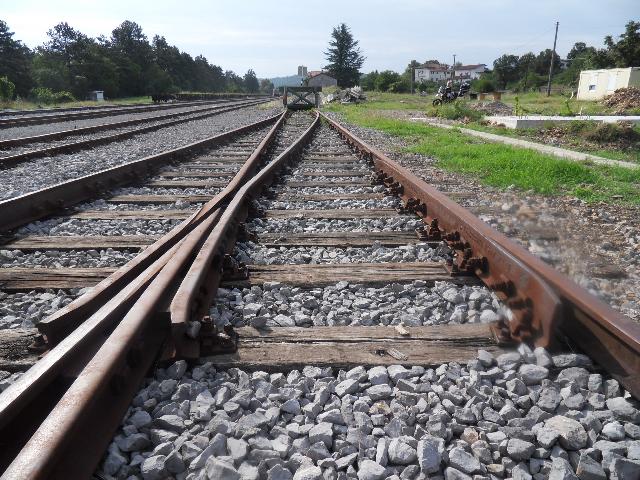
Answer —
(597, 84)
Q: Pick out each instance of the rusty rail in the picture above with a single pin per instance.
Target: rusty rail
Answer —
(41, 203)
(83, 115)
(547, 306)
(119, 331)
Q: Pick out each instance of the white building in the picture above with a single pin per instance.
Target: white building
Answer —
(469, 72)
(439, 72)
(597, 84)
(434, 72)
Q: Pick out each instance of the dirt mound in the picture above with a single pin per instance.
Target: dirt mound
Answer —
(493, 108)
(623, 99)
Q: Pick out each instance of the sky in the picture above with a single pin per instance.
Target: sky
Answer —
(275, 37)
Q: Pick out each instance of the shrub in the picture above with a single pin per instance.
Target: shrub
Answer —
(46, 96)
(41, 95)
(7, 88)
(457, 110)
(483, 85)
(63, 97)
(611, 132)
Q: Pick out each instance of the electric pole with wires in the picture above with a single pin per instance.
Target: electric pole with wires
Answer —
(553, 56)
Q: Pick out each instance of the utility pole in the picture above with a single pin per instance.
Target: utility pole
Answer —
(453, 68)
(553, 56)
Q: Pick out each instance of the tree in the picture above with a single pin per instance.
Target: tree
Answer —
(344, 57)
(409, 71)
(626, 51)
(385, 79)
(251, 83)
(15, 61)
(368, 81)
(266, 86)
(505, 70)
(543, 61)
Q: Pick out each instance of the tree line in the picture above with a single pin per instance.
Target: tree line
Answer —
(528, 71)
(71, 64)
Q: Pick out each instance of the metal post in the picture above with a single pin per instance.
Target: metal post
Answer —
(453, 68)
(553, 55)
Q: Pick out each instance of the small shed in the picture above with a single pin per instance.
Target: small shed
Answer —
(597, 84)
(321, 79)
(97, 95)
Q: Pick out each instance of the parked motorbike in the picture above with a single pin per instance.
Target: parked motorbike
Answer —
(447, 95)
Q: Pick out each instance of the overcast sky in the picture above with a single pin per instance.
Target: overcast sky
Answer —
(273, 37)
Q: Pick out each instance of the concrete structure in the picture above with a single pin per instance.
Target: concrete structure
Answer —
(539, 121)
(321, 79)
(302, 71)
(96, 96)
(597, 84)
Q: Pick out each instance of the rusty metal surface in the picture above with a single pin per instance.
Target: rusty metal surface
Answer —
(12, 160)
(127, 331)
(198, 289)
(546, 304)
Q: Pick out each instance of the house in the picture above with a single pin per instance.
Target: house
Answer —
(320, 79)
(469, 72)
(597, 84)
(439, 72)
(432, 72)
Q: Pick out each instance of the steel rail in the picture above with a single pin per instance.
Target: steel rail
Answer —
(12, 160)
(64, 117)
(200, 284)
(547, 306)
(32, 206)
(131, 346)
(13, 142)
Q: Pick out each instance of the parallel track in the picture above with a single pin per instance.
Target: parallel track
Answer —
(146, 310)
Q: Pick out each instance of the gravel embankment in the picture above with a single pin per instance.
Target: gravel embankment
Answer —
(64, 258)
(76, 226)
(299, 225)
(42, 172)
(44, 128)
(514, 416)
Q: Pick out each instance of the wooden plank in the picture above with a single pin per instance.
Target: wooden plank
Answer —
(25, 279)
(134, 214)
(337, 196)
(335, 166)
(338, 213)
(178, 173)
(148, 199)
(356, 173)
(15, 354)
(368, 273)
(338, 239)
(345, 347)
(87, 242)
(186, 183)
(222, 158)
(334, 183)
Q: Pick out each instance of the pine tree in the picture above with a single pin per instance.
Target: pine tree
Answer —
(344, 57)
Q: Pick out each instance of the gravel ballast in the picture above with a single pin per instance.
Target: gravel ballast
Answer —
(26, 309)
(516, 416)
(42, 172)
(412, 304)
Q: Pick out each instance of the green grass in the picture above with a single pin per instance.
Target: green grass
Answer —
(501, 165)
(534, 103)
(29, 105)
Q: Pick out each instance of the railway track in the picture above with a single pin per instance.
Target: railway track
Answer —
(25, 118)
(16, 152)
(340, 317)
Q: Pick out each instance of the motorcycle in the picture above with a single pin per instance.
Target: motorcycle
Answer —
(446, 95)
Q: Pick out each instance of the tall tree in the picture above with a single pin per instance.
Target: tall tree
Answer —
(344, 57)
(15, 61)
(626, 51)
(251, 83)
(505, 70)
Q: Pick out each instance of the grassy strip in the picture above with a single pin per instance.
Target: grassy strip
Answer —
(504, 165)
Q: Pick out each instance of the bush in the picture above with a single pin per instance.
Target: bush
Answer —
(457, 110)
(7, 88)
(483, 85)
(611, 132)
(63, 97)
(46, 96)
